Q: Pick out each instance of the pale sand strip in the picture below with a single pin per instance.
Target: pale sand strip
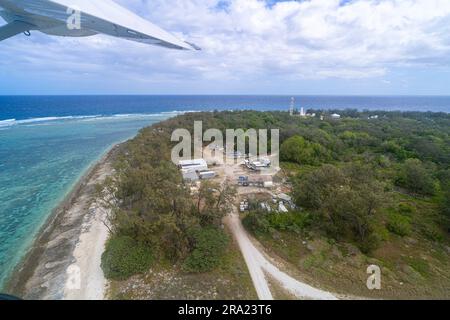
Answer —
(74, 235)
(85, 276)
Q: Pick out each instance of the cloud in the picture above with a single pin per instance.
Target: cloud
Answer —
(249, 40)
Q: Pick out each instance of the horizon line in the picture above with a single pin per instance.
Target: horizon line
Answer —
(225, 95)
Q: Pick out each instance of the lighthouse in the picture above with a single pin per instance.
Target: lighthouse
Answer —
(302, 112)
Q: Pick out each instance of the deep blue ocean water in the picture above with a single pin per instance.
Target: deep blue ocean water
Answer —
(47, 144)
(24, 107)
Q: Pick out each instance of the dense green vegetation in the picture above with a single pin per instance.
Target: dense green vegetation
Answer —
(378, 192)
(151, 205)
(357, 180)
(124, 257)
(345, 201)
(347, 175)
(209, 246)
(296, 149)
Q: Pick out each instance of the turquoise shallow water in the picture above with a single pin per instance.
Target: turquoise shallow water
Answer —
(40, 161)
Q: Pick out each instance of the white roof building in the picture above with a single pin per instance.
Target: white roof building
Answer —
(190, 175)
(336, 116)
(284, 197)
(190, 169)
(193, 165)
(204, 175)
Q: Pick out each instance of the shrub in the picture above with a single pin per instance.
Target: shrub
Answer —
(371, 243)
(415, 177)
(291, 221)
(264, 222)
(256, 222)
(445, 204)
(405, 209)
(210, 245)
(431, 232)
(398, 224)
(125, 257)
(420, 266)
(296, 149)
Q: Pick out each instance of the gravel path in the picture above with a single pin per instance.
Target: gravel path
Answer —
(258, 265)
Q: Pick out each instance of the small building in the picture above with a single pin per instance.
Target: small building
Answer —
(261, 181)
(193, 165)
(335, 116)
(193, 170)
(284, 197)
(282, 208)
(205, 175)
(189, 175)
(268, 184)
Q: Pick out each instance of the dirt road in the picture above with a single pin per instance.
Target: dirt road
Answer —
(258, 265)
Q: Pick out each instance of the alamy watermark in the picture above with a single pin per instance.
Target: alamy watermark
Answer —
(238, 144)
(374, 280)
(73, 22)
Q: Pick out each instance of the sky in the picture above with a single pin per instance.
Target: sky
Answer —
(326, 47)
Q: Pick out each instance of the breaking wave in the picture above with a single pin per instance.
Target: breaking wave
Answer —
(32, 121)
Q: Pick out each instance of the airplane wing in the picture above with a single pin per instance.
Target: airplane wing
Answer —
(11, 29)
(107, 17)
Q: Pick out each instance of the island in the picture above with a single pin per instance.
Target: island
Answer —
(355, 190)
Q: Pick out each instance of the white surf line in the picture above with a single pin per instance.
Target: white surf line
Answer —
(257, 264)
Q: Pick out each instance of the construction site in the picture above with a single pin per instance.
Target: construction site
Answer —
(257, 182)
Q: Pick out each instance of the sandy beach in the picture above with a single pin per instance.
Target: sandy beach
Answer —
(64, 262)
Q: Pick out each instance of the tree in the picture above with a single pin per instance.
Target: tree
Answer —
(416, 178)
(345, 200)
(311, 190)
(209, 246)
(214, 202)
(444, 178)
(296, 149)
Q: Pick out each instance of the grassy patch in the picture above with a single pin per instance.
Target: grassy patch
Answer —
(210, 244)
(399, 224)
(124, 257)
(261, 221)
(420, 265)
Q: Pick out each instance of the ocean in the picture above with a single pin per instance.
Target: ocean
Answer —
(25, 107)
(48, 142)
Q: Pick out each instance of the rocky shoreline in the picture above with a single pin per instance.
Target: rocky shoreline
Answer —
(73, 238)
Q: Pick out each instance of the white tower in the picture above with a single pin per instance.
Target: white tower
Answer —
(291, 110)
